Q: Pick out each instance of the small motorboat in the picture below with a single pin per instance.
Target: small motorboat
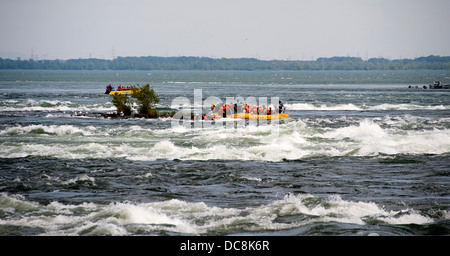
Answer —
(438, 85)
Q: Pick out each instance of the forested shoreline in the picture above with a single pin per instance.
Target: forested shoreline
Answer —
(431, 62)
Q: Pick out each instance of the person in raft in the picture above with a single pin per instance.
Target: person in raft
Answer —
(280, 106)
(221, 109)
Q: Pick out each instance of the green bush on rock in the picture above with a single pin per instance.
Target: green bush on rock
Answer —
(146, 100)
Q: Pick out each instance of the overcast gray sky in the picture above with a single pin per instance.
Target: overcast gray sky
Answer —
(278, 29)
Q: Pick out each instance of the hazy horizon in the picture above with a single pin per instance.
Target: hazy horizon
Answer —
(37, 58)
(265, 30)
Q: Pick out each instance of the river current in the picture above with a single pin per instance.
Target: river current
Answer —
(361, 154)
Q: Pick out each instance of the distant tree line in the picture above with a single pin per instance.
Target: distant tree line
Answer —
(431, 62)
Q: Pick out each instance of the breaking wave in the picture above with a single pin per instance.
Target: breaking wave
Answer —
(353, 107)
(29, 105)
(177, 216)
(296, 139)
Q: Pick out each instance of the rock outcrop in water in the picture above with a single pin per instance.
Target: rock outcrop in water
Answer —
(146, 99)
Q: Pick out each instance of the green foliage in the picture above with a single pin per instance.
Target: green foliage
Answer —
(146, 100)
(167, 114)
(122, 103)
(431, 62)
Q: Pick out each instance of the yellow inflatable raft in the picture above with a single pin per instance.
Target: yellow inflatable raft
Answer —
(120, 92)
(260, 117)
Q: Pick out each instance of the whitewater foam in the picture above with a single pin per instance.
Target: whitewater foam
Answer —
(53, 105)
(84, 179)
(125, 218)
(60, 130)
(371, 139)
(296, 139)
(363, 107)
